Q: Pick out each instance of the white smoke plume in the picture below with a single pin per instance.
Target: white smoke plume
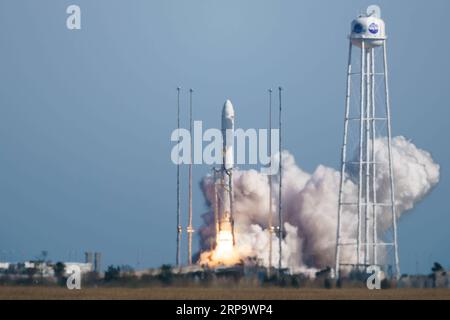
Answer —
(310, 204)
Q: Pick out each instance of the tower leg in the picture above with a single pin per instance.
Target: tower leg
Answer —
(343, 160)
(374, 165)
(367, 160)
(391, 171)
(361, 147)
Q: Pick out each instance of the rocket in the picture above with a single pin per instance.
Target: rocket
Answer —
(228, 135)
(226, 222)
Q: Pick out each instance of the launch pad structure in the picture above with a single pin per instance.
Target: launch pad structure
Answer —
(365, 208)
(223, 198)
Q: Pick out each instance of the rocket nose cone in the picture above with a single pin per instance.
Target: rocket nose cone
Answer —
(228, 110)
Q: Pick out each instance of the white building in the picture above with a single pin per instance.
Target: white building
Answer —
(73, 266)
(4, 265)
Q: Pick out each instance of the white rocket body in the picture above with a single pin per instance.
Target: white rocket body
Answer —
(227, 135)
(226, 219)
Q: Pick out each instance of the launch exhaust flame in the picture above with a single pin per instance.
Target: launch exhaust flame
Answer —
(310, 209)
(224, 249)
(224, 252)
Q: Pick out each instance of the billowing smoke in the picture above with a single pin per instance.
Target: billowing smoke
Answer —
(310, 203)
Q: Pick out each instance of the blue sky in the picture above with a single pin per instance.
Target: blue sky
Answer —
(86, 116)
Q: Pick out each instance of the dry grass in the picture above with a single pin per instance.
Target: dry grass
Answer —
(17, 292)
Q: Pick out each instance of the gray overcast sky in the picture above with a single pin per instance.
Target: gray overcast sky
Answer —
(86, 116)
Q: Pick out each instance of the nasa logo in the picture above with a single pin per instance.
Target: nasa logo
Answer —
(373, 28)
(358, 28)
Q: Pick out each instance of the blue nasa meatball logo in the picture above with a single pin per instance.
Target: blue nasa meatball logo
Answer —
(373, 28)
(358, 28)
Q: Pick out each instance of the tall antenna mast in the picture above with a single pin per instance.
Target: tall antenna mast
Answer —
(190, 230)
(280, 222)
(179, 228)
(270, 184)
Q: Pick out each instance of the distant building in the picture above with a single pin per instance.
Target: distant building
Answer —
(41, 268)
(4, 265)
(89, 257)
(71, 266)
(97, 262)
(437, 279)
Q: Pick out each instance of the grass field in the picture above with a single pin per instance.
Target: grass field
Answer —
(18, 292)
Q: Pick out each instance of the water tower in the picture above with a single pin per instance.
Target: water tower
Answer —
(359, 243)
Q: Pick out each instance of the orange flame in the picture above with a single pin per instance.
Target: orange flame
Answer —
(223, 254)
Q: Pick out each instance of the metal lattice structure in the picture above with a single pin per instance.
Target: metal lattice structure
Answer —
(370, 115)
